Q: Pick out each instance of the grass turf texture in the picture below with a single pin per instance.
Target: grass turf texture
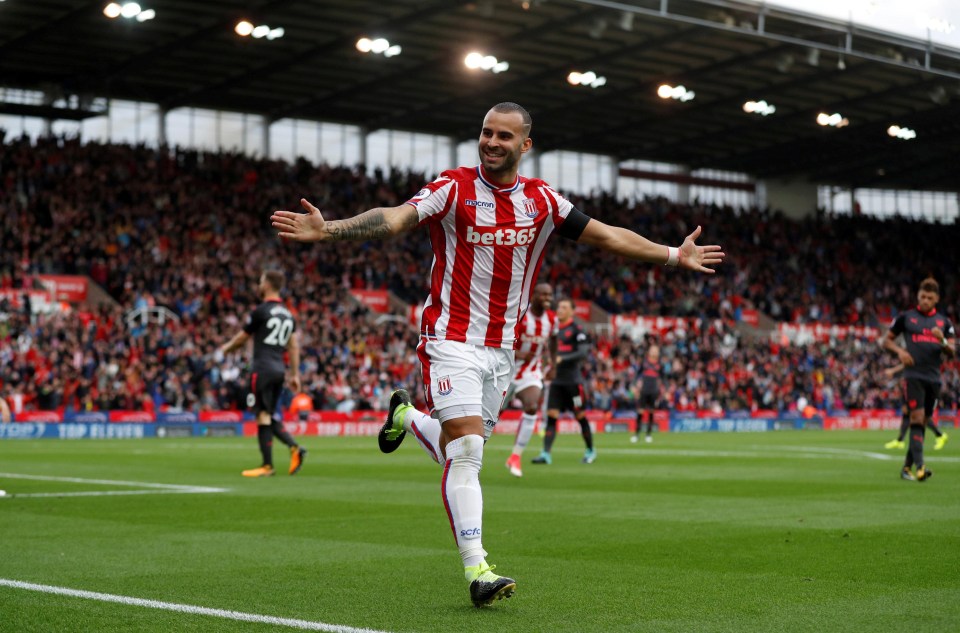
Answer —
(784, 531)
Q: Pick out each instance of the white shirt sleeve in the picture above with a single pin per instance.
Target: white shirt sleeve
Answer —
(433, 200)
(561, 206)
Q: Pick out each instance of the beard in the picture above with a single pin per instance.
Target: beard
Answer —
(509, 162)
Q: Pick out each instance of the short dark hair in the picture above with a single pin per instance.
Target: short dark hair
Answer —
(568, 300)
(275, 278)
(930, 285)
(510, 106)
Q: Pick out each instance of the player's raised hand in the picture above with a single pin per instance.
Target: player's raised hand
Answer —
(699, 258)
(300, 227)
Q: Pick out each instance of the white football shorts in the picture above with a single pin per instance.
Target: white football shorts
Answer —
(527, 380)
(460, 379)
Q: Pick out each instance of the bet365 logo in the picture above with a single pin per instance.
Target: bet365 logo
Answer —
(488, 235)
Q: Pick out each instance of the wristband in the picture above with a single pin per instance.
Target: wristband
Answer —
(673, 256)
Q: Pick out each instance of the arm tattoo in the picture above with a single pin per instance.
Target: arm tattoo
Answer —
(369, 225)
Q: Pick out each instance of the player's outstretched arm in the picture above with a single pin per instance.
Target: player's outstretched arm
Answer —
(374, 224)
(621, 241)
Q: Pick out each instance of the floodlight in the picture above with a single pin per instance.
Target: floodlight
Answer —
(243, 28)
(473, 60)
(112, 10)
(130, 10)
(903, 133)
(364, 45)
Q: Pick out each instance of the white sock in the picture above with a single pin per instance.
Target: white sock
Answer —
(524, 431)
(462, 496)
(426, 430)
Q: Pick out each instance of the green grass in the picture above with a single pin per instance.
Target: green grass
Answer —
(785, 531)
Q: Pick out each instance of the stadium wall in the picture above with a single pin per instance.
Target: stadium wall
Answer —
(796, 197)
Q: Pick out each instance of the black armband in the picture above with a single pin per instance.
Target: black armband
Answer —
(572, 227)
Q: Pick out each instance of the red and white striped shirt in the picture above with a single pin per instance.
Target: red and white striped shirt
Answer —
(535, 332)
(488, 244)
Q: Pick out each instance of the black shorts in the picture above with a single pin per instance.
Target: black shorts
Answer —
(647, 401)
(565, 398)
(264, 394)
(919, 394)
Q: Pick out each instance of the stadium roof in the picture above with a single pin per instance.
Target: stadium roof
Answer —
(726, 52)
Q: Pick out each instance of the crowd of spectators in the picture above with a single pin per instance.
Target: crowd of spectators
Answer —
(844, 269)
(717, 370)
(188, 231)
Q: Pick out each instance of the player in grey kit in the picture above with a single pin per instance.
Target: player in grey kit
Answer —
(650, 369)
(942, 437)
(926, 335)
(272, 328)
(566, 390)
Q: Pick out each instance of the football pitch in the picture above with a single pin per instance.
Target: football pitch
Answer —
(710, 532)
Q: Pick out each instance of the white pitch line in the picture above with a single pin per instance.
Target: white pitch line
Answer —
(660, 451)
(305, 625)
(762, 452)
(891, 456)
(113, 493)
(829, 450)
(152, 488)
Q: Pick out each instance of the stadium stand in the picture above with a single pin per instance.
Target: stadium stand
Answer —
(186, 230)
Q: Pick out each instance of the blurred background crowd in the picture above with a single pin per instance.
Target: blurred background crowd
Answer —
(189, 231)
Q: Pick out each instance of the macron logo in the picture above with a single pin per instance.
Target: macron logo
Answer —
(488, 235)
(470, 532)
(480, 204)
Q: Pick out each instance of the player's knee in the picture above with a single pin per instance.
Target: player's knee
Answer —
(466, 456)
(459, 427)
(468, 446)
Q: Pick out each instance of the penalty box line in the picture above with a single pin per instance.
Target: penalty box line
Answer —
(304, 625)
